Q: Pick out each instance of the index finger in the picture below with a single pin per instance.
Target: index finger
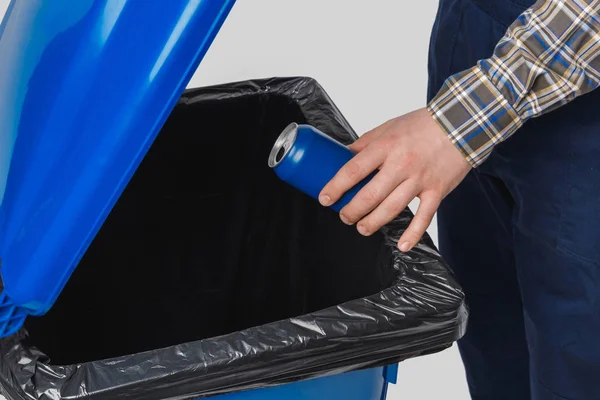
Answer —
(355, 170)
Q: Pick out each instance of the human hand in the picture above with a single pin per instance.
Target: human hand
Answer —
(415, 159)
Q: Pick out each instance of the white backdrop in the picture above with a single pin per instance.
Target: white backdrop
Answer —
(371, 57)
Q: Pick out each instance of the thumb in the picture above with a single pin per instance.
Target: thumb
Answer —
(368, 137)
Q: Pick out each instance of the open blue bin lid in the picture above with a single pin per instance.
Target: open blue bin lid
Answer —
(85, 86)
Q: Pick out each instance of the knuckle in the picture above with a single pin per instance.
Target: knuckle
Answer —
(352, 169)
(369, 196)
(391, 211)
(427, 178)
(395, 167)
(386, 142)
(379, 217)
(410, 158)
(375, 222)
(404, 164)
(395, 206)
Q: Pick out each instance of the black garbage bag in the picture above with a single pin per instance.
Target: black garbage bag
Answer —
(212, 276)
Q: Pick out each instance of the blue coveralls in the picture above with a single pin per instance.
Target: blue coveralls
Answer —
(522, 232)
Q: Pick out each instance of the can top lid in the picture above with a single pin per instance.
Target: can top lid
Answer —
(86, 86)
(283, 144)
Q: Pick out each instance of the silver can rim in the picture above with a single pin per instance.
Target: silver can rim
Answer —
(283, 145)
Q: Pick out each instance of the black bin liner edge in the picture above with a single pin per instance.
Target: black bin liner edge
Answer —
(423, 312)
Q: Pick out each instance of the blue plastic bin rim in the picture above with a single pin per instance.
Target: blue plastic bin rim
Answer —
(86, 86)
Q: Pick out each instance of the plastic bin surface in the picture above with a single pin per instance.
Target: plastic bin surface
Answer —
(85, 87)
(370, 384)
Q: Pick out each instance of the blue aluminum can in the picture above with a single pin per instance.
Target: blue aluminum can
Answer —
(308, 159)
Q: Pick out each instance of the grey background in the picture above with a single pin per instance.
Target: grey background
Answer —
(371, 57)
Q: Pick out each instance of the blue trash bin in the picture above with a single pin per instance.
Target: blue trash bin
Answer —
(371, 384)
(86, 88)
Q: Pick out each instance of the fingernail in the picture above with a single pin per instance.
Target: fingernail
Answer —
(362, 230)
(404, 247)
(324, 200)
(345, 220)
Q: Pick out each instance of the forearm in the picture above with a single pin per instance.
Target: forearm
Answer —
(549, 56)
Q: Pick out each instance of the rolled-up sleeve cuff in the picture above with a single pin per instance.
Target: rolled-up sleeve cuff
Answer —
(474, 114)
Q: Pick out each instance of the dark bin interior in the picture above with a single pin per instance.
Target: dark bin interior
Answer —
(206, 240)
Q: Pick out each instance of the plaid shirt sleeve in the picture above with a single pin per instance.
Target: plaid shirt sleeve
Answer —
(549, 56)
